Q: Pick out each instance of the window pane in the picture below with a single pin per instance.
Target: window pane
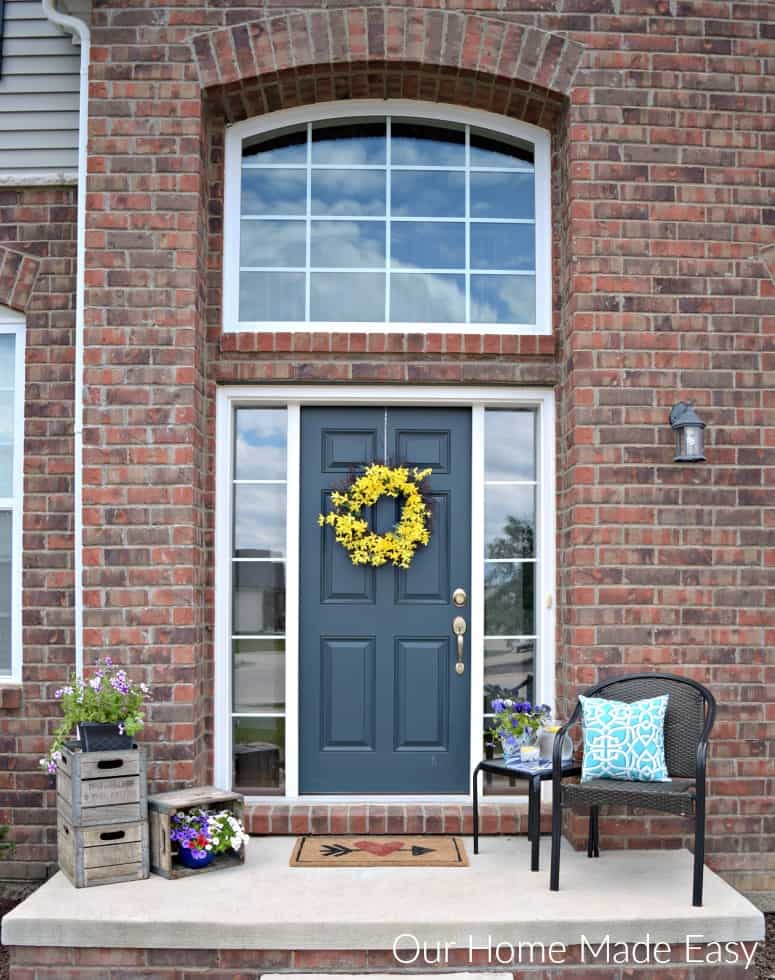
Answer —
(349, 193)
(274, 191)
(348, 244)
(509, 670)
(503, 299)
(427, 194)
(421, 145)
(271, 296)
(6, 523)
(273, 243)
(290, 147)
(502, 246)
(259, 675)
(509, 522)
(258, 597)
(509, 445)
(497, 195)
(6, 416)
(349, 144)
(347, 296)
(428, 245)
(259, 450)
(7, 354)
(259, 520)
(492, 151)
(429, 298)
(509, 599)
(6, 471)
(259, 756)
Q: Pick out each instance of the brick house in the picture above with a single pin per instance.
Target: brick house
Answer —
(499, 240)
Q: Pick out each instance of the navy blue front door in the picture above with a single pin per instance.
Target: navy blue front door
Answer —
(382, 708)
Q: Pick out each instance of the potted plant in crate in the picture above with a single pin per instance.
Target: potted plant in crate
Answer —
(516, 723)
(105, 710)
(201, 835)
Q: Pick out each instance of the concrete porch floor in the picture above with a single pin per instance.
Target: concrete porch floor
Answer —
(265, 904)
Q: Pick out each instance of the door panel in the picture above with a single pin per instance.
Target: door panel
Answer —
(382, 709)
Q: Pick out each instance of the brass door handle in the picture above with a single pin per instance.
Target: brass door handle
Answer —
(459, 629)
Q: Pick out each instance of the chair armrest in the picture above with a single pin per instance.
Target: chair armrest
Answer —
(702, 749)
(559, 739)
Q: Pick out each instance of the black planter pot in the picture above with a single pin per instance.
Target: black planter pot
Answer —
(97, 736)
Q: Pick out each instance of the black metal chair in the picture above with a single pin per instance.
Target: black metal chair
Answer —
(691, 711)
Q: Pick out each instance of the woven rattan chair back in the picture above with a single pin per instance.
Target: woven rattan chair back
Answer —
(686, 710)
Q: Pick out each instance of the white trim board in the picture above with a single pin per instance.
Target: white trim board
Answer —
(293, 398)
(381, 108)
(12, 322)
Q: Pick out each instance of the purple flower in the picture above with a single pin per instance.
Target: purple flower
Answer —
(497, 705)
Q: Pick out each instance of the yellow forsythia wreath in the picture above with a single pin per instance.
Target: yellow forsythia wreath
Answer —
(352, 531)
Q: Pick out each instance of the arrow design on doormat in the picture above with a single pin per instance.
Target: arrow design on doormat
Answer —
(341, 850)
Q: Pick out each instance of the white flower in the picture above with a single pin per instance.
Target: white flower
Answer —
(208, 847)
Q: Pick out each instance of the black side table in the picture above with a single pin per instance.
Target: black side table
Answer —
(535, 772)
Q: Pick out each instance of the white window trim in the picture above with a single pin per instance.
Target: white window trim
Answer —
(12, 322)
(292, 398)
(353, 108)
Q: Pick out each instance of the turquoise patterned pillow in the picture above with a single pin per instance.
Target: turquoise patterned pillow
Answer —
(624, 741)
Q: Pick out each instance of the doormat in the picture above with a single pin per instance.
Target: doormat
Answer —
(401, 851)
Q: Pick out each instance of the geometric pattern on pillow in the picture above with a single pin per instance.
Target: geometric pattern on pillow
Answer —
(624, 741)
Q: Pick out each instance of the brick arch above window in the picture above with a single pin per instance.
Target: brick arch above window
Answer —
(358, 38)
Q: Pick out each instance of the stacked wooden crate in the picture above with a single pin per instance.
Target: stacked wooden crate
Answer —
(102, 815)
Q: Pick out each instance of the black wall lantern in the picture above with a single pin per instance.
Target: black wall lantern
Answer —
(689, 437)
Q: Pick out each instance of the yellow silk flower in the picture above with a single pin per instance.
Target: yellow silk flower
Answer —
(352, 531)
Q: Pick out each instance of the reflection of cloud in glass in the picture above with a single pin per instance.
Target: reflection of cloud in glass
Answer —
(503, 299)
(349, 144)
(259, 520)
(429, 298)
(274, 191)
(499, 195)
(260, 444)
(502, 246)
(348, 244)
(7, 348)
(429, 194)
(348, 192)
(509, 515)
(268, 243)
(349, 296)
(509, 445)
(271, 296)
(417, 144)
(428, 245)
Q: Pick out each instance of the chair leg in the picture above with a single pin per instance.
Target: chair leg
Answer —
(554, 878)
(476, 809)
(699, 856)
(591, 832)
(534, 823)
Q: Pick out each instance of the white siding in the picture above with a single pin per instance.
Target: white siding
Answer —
(38, 96)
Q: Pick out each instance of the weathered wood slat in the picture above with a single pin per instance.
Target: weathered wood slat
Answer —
(101, 787)
(100, 855)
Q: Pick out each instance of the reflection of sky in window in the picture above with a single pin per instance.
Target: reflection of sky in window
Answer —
(349, 296)
(433, 298)
(503, 299)
(348, 192)
(501, 246)
(509, 445)
(429, 194)
(260, 444)
(7, 349)
(274, 191)
(348, 244)
(417, 144)
(428, 245)
(259, 520)
(271, 296)
(504, 505)
(496, 195)
(288, 147)
(349, 144)
(268, 243)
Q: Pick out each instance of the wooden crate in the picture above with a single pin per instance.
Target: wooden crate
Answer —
(102, 854)
(97, 788)
(161, 809)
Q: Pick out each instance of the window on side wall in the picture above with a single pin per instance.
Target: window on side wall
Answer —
(11, 448)
(426, 218)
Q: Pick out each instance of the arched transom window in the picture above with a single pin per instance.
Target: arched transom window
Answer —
(419, 219)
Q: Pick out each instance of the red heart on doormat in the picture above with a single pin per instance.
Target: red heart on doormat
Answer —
(377, 848)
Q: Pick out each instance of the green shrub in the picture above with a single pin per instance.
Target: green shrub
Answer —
(6, 846)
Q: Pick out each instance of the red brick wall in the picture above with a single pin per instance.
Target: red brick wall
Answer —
(659, 118)
(37, 244)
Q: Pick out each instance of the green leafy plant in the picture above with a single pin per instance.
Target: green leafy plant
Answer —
(109, 696)
(6, 846)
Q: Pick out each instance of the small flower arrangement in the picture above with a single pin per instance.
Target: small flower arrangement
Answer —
(109, 696)
(203, 832)
(516, 723)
